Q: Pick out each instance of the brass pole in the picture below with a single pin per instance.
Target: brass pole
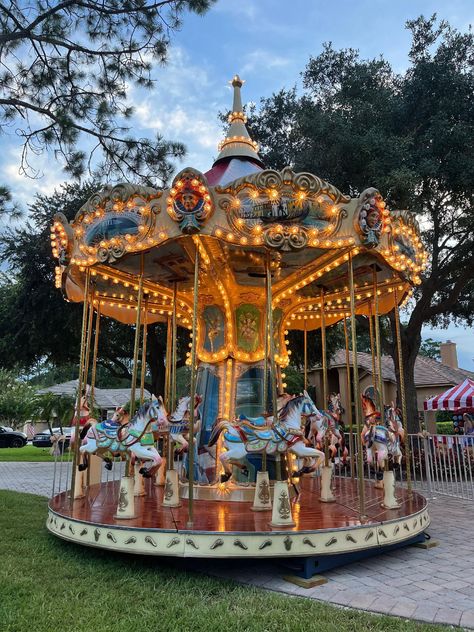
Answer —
(173, 349)
(349, 399)
(96, 348)
(266, 358)
(168, 364)
(378, 345)
(136, 345)
(271, 344)
(305, 343)
(143, 362)
(402, 391)
(77, 441)
(372, 348)
(325, 374)
(193, 389)
(358, 412)
(266, 345)
(85, 369)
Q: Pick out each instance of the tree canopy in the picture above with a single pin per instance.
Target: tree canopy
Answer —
(358, 123)
(66, 69)
(39, 328)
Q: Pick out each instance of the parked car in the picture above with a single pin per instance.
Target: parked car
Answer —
(43, 439)
(11, 438)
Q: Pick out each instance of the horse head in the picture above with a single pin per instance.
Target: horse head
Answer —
(371, 414)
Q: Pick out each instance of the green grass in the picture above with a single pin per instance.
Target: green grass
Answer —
(48, 585)
(27, 453)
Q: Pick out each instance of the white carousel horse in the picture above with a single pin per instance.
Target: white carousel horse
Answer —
(250, 436)
(381, 440)
(179, 422)
(133, 437)
(326, 425)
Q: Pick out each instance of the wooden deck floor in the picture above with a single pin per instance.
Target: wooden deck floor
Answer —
(309, 513)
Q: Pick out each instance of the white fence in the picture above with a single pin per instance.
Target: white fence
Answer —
(439, 464)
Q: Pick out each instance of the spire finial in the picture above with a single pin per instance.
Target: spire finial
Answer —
(238, 143)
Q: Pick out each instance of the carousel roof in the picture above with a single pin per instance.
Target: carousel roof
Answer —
(240, 218)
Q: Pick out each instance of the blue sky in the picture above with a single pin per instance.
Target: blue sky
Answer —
(267, 42)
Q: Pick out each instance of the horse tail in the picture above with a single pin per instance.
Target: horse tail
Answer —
(219, 426)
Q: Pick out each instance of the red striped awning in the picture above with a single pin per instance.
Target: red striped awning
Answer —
(460, 396)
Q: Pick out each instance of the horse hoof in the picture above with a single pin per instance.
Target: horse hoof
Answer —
(225, 477)
(108, 465)
(82, 467)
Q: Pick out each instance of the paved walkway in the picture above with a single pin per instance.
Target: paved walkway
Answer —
(435, 585)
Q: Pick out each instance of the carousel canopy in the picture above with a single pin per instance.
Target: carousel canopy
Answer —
(240, 218)
(460, 396)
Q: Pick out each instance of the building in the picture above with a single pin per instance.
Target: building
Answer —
(106, 399)
(431, 377)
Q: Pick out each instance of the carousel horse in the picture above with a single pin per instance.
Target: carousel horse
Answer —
(381, 439)
(326, 425)
(257, 435)
(133, 438)
(179, 422)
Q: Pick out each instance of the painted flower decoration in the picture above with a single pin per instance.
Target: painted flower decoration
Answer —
(248, 326)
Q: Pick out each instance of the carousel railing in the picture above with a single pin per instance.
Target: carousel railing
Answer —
(439, 464)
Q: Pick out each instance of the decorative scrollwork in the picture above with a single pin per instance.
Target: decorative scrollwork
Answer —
(350, 538)
(110, 254)
(173, 542)
(286, 238)
(284, 508)
(150, 540)
(110, 536)
(240, 544)
(192, 543)
(369, 536)
(83, 532)
(96, 534)
(216, 544)
(288, 542)
(131, 540)
(309, 543)
(331, 542)
(264, 545)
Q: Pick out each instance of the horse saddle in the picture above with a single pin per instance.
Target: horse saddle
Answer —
(108, 428)
(254, 421)
(255, 428)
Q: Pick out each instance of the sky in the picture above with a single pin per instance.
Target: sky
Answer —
(268, 43)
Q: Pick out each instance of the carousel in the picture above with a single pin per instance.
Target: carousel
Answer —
(235, 258)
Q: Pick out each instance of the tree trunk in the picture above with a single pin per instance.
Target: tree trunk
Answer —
(411, 341)
(156, 360)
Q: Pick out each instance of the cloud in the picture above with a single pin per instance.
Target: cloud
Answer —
(183, 106)
(261, 60)
(24, 188)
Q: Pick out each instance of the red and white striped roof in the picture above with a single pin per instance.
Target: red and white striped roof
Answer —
(460, 396)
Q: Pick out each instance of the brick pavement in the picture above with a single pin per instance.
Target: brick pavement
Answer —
(435, 585)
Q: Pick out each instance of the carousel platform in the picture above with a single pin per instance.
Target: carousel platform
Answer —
(226, 529)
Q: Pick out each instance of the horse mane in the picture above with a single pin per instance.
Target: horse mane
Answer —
(285, 410)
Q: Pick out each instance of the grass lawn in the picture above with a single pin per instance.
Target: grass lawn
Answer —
(48, 585)
(27, 453)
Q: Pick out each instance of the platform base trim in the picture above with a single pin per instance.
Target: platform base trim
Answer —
(217, 544)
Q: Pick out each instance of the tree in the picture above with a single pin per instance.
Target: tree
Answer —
(39, 328)
(65, 75)
(16, 397)
(411, 135)
(430, 349)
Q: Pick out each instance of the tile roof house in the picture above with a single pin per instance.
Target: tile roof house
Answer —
(431, 376)
(105, 398)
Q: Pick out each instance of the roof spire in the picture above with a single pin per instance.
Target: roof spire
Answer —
(237, 143)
